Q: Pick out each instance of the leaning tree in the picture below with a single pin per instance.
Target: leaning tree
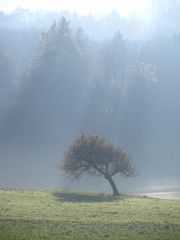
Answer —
(93, 155)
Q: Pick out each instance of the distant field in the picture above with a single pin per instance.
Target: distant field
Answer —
(36, 215)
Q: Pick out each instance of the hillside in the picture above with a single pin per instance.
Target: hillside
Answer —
(30, 214)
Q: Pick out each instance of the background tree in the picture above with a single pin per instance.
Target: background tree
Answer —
(9, 84)
(93, 155)
(54, 89)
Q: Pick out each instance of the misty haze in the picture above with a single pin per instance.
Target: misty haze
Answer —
(62, 74)
(90, 120)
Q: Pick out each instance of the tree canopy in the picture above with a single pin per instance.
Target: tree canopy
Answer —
(92, 154)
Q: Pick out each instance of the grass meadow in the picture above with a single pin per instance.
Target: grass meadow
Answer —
(63, 215)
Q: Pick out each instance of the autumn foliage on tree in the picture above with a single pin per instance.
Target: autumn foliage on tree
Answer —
(93, 155)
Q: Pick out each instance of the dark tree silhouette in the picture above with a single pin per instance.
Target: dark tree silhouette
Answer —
(93, 155)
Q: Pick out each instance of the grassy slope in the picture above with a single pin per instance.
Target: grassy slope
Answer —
(36, 215)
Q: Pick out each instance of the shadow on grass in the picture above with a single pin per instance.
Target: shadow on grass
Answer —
(66, 196)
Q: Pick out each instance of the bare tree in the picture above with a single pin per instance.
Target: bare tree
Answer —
(93, 155)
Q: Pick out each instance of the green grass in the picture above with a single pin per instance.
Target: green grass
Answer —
(36, 215)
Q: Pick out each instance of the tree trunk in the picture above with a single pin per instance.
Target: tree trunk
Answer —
(113, 185)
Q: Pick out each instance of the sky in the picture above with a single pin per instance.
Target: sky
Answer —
(124, 7)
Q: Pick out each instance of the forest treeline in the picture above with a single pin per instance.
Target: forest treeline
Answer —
(58, 82)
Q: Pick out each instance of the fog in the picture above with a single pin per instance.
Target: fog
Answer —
(62, 74)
